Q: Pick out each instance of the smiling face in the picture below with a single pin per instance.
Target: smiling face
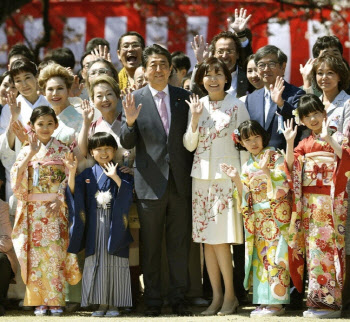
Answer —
(130, 52)
(6, 87)
(269, 69)
(214, 81)
(313, 121)
(254, 144)
(44, 126)
(56, 92)
(327, 79)
(103, 154)
(225, 49)
(26, 84)
(253, 75)
(157, 71)
(104, 99)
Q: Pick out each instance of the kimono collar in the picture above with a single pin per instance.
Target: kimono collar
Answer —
(261, 153)
(102, 180)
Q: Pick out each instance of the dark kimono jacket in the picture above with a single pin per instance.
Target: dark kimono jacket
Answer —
(82, 207)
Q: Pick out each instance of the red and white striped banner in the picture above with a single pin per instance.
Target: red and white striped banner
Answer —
(76, 22)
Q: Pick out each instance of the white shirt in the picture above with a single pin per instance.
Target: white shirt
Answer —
(26, 111)
(233, 89)
(166, 100)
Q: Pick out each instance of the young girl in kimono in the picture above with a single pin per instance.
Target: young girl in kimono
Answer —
(40, 233)
(263, 192)
(317, 167)
(99, 200)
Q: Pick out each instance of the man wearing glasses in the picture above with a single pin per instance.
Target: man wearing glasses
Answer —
(275, 102)
(130, 47)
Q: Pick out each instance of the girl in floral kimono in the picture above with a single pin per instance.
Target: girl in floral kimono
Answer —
(263, 192)
(99, 200)
(40, 233)
(317, 167)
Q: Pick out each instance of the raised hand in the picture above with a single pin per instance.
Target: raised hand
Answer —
(70, 162)
(100, 52)
(306, 71)
(77, 88)
(325, 129)
(88, 112)
(15, 108)
(289, 131)
(34, 144)
(264, 161)
(277, 90)
(200, 48)
(240, 22)
(195, 105)
(19, 130)
(230, 171)
(110, 169)
(131, 112)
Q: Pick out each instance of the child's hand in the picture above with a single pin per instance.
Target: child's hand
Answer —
(70, 162)
(88, 112)
(54, 207)
(19, 130)
(34, 144)
(110, 169)
(289, 132)
(230, 171)
(264, 161)
(325, 129)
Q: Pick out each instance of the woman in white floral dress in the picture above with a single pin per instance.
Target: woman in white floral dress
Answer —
(216, 222)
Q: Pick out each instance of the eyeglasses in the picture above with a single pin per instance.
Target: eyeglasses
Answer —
(221, 52)
(99, 71)
(271, 65)
(133, 45)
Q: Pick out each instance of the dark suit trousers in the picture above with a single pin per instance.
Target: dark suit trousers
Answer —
(5, 277)
(172, 212)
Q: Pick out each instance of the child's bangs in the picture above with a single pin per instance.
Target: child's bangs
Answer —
(249, 131)
(306, 109)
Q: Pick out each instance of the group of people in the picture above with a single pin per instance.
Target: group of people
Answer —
(231, 156)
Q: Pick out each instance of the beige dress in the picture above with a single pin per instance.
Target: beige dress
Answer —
(215, 219)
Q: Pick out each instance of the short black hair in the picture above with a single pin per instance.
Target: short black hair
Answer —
(180, 61)
(41, 111)
(270, 50)
(95, 42)
(20, 49)
(226, 35)
(251, 127)
(22, 65)
(216, 63)
(309, 103)
(155, 49)
(324, 43)
(87, 53)
(101, 139)
(132, 33)
(62, 56)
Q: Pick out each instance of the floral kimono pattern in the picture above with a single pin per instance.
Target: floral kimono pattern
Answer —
(318, 220)
(266, 214)
(40, 239)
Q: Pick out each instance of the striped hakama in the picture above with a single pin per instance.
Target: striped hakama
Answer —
(106, 278)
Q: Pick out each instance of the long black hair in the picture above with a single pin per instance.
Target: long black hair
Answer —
(249, 128)
(41, 111)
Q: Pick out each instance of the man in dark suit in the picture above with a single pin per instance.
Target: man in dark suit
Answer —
(162, 177)
(275, 102)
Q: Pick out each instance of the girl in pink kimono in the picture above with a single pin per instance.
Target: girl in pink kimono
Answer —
(318, 167)
(40, 233)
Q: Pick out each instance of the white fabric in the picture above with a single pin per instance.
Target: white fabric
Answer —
(267, 106)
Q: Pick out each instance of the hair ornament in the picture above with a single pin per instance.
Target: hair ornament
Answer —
(296, 116)
(236, 136)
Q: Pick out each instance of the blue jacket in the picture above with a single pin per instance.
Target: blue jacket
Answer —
(82, 207)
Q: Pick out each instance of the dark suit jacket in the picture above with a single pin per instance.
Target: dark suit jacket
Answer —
(156, 152)
(82, 208)
(255, 104)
